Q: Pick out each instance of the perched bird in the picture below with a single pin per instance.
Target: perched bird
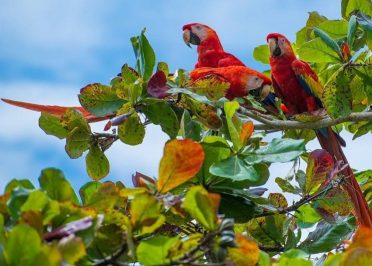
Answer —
(210, 50)
(241, 80)
(211, 54)
(298, 86)
(55, 110)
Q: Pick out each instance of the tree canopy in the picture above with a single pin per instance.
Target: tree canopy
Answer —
(209, 203)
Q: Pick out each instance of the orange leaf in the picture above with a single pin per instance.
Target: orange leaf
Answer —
(181, 161)
(362, 238)
(247, 252)
(246, 132)
(360, 251)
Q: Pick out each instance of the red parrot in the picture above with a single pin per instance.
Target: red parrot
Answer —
(210, 50)
(299, 88)
(211, 54)
(241, 79)
(55, 110)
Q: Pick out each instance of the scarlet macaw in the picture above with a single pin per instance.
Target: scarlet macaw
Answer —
(299, 88)
(210, 50)
(212, 54)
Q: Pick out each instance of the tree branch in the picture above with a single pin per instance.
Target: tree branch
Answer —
(297, 204)
(273, 124)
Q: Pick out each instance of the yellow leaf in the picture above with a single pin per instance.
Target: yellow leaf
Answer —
(246, 132)
(181, 161)
(247, 252)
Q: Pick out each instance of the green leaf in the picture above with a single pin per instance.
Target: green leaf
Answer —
(14, 183)
(132, 131)
(261, 54)
(56, 186)
(154, 251)
(305, 134)
(336, 29)
(215, 149)
(162, 66)
(88, 190)
(317, 51)
(108, 239)
(72, 250)
(286, 186)
(36, 201)
(22, 246)
(202, 206)
(204, 112)
(351, 30)
(337, 94)
(334, 201)
(236, 207)
(145, 213)
(160, 113)
(17, 198)
(51, 125)
(328, 41)
(190, 128)
(348, 6)
(145, 55)
(294, 257)
(278, 150)
(233, 123)
(304, 35)
(99, 99)
(104, 197)
(79, 134)
(326, 237)
(264, 259)
(237, 169)
(307, 216)
(97, 163)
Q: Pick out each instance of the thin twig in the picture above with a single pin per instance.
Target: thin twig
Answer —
(287, 124)
(297, 204)
(112, 259)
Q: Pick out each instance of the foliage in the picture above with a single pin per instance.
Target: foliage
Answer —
(207, 205)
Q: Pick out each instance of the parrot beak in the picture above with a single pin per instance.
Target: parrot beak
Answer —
(190, 37)
(186, 37)
(266, 89)
(275, 50)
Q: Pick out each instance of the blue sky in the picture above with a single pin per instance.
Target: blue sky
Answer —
(50, 49)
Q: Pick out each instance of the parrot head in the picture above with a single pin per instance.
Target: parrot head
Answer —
(279, 45)
(196, 33)
(259, 86)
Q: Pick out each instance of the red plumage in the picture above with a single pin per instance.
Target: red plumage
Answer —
(298, 86)
(55, 110)
(210, 50)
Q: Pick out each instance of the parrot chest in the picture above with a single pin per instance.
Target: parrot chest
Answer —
(294, 96)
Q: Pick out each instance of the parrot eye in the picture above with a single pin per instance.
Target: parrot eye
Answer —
(198, 27)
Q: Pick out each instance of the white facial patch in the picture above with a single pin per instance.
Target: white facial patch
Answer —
(200, 31)
(253, 82)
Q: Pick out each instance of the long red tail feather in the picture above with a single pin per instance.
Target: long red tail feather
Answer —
(332, 145)
(55, 109)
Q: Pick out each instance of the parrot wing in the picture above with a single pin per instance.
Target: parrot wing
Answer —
(308, 80)
(229, 60)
